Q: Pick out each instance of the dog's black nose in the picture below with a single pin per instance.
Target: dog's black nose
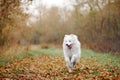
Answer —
(66, 44)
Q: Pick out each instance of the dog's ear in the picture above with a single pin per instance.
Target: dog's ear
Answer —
(75, 36)
(65, 35)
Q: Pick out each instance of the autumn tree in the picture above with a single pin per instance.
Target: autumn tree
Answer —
(11, 16)
(97, 24)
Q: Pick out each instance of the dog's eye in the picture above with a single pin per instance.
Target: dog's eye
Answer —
(69, 41)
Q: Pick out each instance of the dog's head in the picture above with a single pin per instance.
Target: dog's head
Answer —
(69, 40)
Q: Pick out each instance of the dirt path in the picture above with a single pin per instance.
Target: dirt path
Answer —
(53, 68)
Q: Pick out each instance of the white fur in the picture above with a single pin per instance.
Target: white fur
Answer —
(71, 55)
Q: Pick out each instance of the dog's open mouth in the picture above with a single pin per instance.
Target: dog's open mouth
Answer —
(69, 46)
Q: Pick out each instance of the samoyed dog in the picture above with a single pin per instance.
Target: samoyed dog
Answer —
(72, 50)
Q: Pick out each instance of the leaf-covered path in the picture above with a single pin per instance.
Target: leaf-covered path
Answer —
(46, 67)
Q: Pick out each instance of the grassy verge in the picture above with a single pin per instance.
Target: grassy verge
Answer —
(102, 58)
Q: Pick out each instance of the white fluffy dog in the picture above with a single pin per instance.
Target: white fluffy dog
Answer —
(72, 50)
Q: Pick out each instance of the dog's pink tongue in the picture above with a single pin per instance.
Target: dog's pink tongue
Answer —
(69, 46)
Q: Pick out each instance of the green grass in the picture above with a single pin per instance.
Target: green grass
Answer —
(102, 58)
(42, 51)
(48, 51)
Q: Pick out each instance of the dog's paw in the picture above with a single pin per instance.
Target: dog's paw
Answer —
(70, 70)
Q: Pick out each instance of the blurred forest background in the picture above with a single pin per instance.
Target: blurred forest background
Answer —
(98, 26)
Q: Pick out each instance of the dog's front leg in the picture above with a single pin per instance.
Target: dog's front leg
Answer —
(68, 64)
(73, 60)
